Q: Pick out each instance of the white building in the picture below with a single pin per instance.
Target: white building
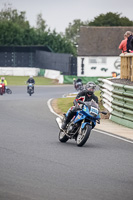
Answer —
(98, 53)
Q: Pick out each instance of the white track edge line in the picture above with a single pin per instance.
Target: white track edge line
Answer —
(51, 109)
(115, 136)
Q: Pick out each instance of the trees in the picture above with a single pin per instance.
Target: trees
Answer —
(13, 26)
(108, 19)
(8, 14)
(41, 24)
(72, 31)
(111, 19)
(15, 30)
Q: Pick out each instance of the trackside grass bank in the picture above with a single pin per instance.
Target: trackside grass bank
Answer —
(21, 80)
(63, 104)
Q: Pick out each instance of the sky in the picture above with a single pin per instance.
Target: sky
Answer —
(59, 13)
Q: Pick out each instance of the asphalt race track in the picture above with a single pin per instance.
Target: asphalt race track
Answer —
(34, 165)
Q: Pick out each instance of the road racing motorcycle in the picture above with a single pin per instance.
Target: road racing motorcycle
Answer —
(8, 91)
(78, 86)
(2, 88)
(79, 128)
(30, 89)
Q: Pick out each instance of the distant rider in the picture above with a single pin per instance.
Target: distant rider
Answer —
(77, 83)
(88, 94)
(3, 81)
(31, 80)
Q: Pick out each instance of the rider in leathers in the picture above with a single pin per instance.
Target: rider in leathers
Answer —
(31, 80)
(88, 93)
(3, 81)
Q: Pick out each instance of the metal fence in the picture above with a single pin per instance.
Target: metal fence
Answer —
(17, 59)
(57, 61)
(39, 57)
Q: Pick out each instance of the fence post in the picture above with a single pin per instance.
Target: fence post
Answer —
(132, 70)
(127, 66)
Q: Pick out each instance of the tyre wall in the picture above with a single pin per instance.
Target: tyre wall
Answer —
(118, 100)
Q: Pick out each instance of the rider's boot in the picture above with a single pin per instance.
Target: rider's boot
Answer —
(67, 120)
(63, 127)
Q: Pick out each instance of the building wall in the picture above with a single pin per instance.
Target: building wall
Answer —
(98, 66)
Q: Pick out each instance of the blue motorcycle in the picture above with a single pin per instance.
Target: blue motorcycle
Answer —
(79, 128)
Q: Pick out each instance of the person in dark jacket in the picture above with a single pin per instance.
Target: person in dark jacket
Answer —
(88, 94)
(129, 41)
(31, 80)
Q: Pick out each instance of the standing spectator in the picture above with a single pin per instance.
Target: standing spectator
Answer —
(123, 44)
(129, 41)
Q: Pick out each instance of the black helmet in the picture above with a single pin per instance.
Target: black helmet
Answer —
(90, 87)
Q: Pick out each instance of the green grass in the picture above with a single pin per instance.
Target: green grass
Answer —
(21, 80)
(65, 103)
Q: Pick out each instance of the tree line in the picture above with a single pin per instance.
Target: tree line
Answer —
(16, 30)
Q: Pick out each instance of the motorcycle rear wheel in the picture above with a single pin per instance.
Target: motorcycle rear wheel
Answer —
(8, 91)
(62, 136)
(83, 137)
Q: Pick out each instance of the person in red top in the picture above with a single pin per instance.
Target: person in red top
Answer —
(123, 44)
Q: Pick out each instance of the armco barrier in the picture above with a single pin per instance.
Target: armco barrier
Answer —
(118, 100)
(54, 74)
(19, 71)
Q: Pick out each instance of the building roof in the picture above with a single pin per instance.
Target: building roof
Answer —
(101, 41)
(25, 48)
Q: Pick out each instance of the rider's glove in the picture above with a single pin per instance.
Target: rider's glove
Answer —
(75, 102)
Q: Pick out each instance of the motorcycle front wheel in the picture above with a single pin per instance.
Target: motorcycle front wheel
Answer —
(83, 136)
(1, 92)
(62, 136)
(30, 92)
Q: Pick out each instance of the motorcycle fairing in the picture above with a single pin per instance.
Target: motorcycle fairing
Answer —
(84, 114)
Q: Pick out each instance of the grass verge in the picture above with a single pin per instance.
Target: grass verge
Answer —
(63, 104)
(21, 80)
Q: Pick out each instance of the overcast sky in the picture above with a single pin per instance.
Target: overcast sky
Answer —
(59, 13)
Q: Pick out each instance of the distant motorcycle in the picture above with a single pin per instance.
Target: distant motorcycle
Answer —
(2, 88)
(78, 85)
(79, 128)
(30, 88)
(8, 91)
